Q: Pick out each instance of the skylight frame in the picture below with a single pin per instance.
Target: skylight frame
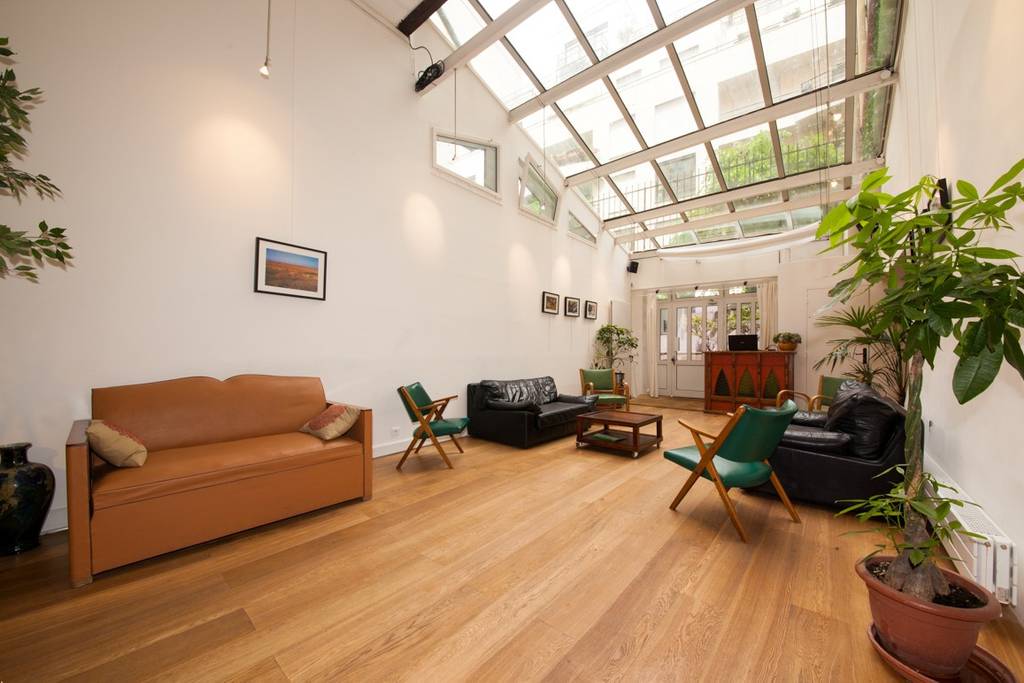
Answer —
(848, 93)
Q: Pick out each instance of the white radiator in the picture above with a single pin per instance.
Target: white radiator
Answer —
(990, 560)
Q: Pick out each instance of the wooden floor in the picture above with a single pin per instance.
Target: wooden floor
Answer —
(550, 563)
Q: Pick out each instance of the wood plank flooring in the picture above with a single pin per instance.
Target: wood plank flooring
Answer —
(549, 564)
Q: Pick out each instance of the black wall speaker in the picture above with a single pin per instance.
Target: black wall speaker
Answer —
(633, 267)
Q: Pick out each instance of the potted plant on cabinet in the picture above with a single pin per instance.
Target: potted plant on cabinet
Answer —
(614, 346)
(939, 282)
(786, 341)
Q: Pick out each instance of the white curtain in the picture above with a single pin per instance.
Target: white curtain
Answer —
(768, 303)
(651, 344)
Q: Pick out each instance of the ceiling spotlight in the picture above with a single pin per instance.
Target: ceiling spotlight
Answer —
(264, 70)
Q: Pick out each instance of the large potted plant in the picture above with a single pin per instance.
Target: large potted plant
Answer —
(615, 345)
(26, 488)
(939, 282)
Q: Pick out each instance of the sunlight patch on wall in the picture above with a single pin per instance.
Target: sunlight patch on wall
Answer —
(422, 225)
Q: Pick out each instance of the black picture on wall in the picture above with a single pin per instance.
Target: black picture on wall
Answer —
(572, 307)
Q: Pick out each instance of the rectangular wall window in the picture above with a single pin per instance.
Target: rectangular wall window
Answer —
(475, 162)
(577, 228)
(536, 195)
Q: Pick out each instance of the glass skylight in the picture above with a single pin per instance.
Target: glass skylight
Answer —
(719, 63)
(599, 122)
(503, 76)
(548, 46)
(804, 44)
(603, 126)
(650, 89)
(611, 25)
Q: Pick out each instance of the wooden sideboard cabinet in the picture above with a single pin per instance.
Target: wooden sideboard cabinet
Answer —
(732, 378)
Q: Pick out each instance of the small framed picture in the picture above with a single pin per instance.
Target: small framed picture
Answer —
(590, 310)
(290, 270)
(572, 307)
(549, 303)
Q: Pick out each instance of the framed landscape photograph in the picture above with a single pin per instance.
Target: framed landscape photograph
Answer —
(590, 310)
(572, 307)
(290, 270)
(549, 303)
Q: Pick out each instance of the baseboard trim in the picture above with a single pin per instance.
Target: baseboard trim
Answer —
(392, 447)
(56, 520)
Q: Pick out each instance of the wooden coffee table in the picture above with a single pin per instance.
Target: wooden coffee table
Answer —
(629, 439)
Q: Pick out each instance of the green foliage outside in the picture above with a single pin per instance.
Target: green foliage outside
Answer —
(22, 253)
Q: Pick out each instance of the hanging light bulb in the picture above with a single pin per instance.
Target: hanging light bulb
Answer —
(834, 184)
(264, 70)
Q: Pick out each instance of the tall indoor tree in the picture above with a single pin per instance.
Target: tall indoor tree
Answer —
(21, 253)
(940, 281)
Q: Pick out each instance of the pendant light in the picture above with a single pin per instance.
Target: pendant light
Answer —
(264, 70)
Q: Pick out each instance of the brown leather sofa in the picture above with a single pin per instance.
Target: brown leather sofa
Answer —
(224, 456)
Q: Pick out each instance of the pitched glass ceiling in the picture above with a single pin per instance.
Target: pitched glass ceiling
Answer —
(726, 64)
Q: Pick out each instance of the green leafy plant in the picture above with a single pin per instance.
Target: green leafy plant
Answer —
(614, 345)
(939, 282)
(787, 338)
(20, 252)
(884, 367)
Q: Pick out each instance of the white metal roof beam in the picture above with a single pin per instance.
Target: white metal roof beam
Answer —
(489, 34)
(766, 90)
(849, 108)
(712, 221)
(691, 22)
(809, 100)
(777, 185)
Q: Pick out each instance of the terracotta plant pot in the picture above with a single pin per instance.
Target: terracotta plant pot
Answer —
(787, 346)
(934, 639)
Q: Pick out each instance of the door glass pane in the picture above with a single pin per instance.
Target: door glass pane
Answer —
(697, 330)
(711, 331)
(730, 319)
(663, 333)
(682, 314)
(746, 318)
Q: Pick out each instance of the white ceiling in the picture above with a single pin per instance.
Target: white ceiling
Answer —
(392, 10)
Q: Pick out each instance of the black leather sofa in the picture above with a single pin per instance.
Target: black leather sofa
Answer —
(827, 458)
(523, 412)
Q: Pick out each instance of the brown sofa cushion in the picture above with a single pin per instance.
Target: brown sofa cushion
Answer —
(333, 422)
(182, 469)
(199, 410)
(115, 444)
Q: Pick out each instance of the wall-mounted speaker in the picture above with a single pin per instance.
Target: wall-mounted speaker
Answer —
(633, 267)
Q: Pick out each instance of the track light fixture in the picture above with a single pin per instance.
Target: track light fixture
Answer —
(264, 70)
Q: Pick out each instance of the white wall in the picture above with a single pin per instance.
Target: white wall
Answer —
(957, 115)
(174, 155)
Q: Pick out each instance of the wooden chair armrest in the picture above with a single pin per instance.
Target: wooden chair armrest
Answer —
(814, 404)
(624, 388)
(786, 394)
(695, 431)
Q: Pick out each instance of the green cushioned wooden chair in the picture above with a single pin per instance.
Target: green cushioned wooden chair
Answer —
(602, 383)
(820, 402)
(428, 415)
(736, 456)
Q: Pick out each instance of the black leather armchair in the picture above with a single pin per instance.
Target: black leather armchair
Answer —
(827, 458)
(524, 412)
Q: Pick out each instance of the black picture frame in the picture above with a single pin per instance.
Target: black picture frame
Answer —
(549, 303)
(590, 310)
(572, 307)
(299, 253)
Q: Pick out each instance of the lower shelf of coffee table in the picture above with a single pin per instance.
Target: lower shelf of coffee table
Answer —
(622, 440)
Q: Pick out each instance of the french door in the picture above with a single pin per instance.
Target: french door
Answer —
(689, 326)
